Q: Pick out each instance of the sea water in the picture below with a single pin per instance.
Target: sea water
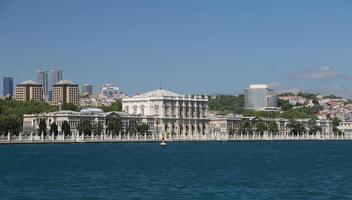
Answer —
(214, 170)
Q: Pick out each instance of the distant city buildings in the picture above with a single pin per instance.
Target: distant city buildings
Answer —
(56, 76)
(87, 89)
(260, 97)
(7, 86)
(174, 113)
(109, 90)
(65, 91)
(29, 91)
(42, 78)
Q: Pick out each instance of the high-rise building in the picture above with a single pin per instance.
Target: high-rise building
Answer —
(87, 89)
(42, 78)
(29, 91)
(260, 97)
(56, 75)
(109, 90)
(8, 86)
(65, 91)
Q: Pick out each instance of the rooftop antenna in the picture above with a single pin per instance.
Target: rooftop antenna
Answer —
(160, 85)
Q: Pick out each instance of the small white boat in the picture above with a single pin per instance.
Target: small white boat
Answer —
(163, 143)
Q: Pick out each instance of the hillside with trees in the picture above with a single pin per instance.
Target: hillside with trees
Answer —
(225, 104)
(11, 113)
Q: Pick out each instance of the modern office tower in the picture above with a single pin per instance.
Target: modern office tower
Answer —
(8, 86)
(29, 91)
(50, 95)
(260, 97)
(56, 75)
(42, 78)
(65, 91)
(109, 90)
(87, 89)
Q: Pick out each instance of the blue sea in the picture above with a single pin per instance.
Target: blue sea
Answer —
(214, 170)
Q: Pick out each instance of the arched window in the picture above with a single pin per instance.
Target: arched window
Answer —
(126, 109)
(142, 109)
(156, 110)
(135, 110)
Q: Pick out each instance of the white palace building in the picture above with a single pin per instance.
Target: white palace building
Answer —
(175, 114)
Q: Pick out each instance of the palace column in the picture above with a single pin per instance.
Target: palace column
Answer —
(184, 110)
(170, 129)
(177, 127)
(200, 106)
(205, 128)
(190, 124)
(162, 109)
(177, 110)
(198, 130)
(184, 131)
(196, 110)
(189, 110)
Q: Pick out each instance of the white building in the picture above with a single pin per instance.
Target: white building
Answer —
(174, 113)
(109, 90)
(260, 97)
(345, 127)
(94, 115)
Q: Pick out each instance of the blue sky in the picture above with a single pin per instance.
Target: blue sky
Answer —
(191, 46)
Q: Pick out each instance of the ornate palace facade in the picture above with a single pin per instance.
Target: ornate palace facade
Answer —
(173, 113)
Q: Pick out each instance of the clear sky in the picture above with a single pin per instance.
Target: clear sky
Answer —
(190, 46)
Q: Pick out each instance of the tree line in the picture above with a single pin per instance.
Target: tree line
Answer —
(235, 104)
(11, 112)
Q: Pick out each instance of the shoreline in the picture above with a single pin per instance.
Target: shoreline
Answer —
(15, 142)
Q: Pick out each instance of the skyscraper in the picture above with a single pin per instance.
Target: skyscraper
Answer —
(87, 89)
(8, 86)
(260, 97)
(42, 78)
(56, 76)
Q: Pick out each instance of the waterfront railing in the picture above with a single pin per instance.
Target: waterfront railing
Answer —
(76, 138)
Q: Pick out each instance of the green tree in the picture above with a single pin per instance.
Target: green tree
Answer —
(69, 106)
(114, 126)
(115, 106)
(296, 128)
(85, 127)
(245, 126)
(10, 123)
(227, 103)
(11, 113)
(273, 128)
(98, 128)
(42, 127)
(261, 128)
(143, 128)
(314, 130)
(53, 129)
(285, 105)
(66, 128)
(335, 123)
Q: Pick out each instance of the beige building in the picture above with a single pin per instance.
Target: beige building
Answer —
(173, 113)
(65, 92)
(29, 91)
